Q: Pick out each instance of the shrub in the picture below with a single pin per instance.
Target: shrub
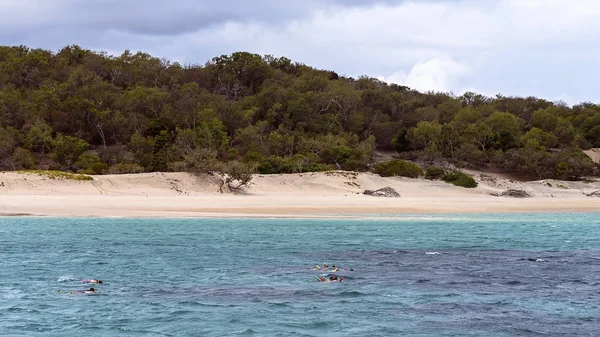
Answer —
(58, 175)
(253, 157)
(461, 179)
(398, 168)
(23, 158)
(178, 166)
(297, 164)
(86, 160)
(124, 168)
(99, 168)
(434, 172)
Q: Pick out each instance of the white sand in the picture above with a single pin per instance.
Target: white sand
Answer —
(594, 154)
(334, 194)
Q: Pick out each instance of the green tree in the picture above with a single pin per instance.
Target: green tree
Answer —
(67, 150)
(213, 136)
(23, 159)
(506, 129)
(142, 148)
(425, 135)
(39, 137)
(542, 138)
(545, 119)
(162, 152)
(479, 134)
(8, 141)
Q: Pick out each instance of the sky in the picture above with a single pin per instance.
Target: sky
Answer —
(544, 48)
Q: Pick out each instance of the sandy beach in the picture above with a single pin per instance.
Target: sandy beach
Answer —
(324, 194)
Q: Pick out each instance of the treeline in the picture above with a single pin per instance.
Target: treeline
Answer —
(84, 111)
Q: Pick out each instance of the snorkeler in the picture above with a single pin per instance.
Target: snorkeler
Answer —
(331, 278)
(91, 281)
(89, 291)
(317, 267)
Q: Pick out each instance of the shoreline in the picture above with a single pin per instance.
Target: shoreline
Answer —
(310, 195)
(262, 207)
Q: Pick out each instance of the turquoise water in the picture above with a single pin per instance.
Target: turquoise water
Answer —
(456, 275)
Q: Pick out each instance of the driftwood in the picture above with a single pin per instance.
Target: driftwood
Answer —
(594, 194)
(386, 192)
(513, 194)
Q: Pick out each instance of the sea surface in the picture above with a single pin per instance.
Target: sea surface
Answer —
(442, 275)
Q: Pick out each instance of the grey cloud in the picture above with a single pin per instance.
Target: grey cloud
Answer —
(159, 17)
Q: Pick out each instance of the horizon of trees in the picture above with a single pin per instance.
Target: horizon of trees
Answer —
(85, 111)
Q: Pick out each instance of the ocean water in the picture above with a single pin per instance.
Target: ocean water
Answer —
(454, 275)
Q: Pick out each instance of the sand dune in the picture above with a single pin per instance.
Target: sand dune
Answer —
(594, 154)
(326, 194)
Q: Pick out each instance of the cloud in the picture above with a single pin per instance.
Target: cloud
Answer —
(156, 17)
(432, 75)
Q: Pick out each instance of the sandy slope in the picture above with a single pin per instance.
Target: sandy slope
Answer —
(298, 195)
(594, 154)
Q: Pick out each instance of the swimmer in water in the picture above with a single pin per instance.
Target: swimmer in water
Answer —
(89, 291)
(92, 281)
(331, 278)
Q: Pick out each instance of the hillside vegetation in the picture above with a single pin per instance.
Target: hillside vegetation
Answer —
(84, 111)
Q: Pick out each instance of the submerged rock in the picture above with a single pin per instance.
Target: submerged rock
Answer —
(386, 192)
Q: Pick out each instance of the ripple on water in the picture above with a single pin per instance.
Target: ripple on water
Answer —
(423, 276)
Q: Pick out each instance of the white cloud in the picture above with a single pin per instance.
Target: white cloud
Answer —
(432, 75)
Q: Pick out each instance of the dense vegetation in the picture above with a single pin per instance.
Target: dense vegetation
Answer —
(84, 111)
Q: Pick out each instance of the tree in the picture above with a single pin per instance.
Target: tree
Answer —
(8, 141)
(39, 137)
(67, 150)
(142, 148)
(212, 135)
(23, 159)
(425, 135)
(13, 107)
(465, 117)
(564, 131)
(506, 129)
(542, 138)
(143, 113)
(479, 134)
(449, 140)
(237, 175)
(162, 151)
(338, 155)
(544, 120)
(400, 142)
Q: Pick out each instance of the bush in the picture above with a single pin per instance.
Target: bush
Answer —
(297, 164)
(125, 168)
(434, 172)
(178, 166)
(23, 159)
(99, 168)
(398, 168)
(86, 160)
(461, 179)
(58, 175)
(253, 157)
